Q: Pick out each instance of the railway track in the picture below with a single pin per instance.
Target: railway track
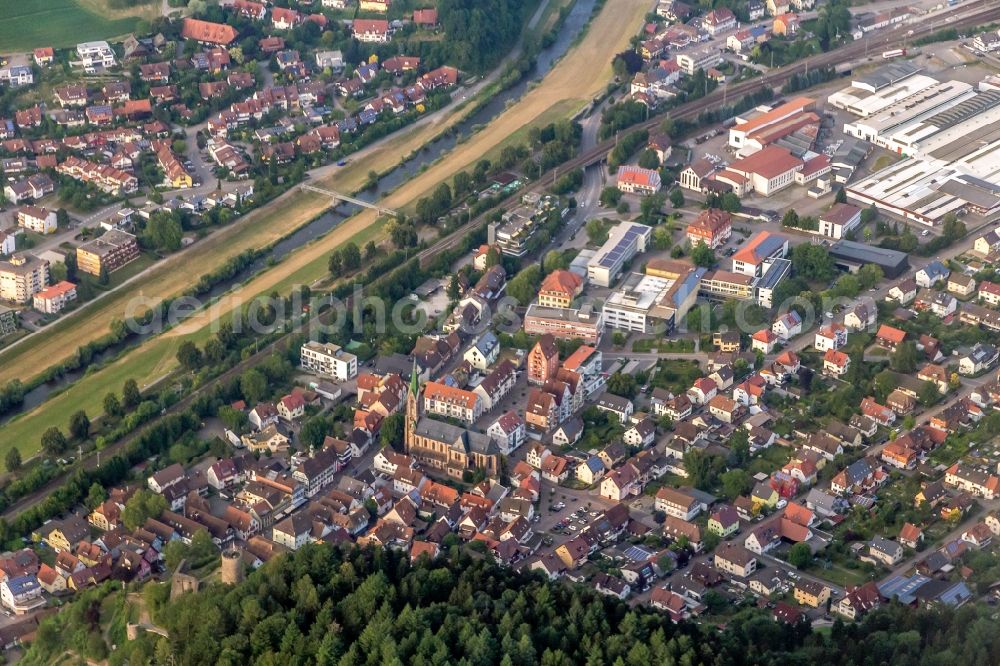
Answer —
(971, 14)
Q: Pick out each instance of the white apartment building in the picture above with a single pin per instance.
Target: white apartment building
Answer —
(329, 359)
(22, 277)
(693, 61)
(95, 54)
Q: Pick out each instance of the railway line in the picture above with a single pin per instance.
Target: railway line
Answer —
(971, 14)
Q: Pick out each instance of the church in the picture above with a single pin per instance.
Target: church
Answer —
(443, 446)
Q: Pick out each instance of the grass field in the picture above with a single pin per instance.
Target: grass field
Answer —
(157, 357)
(168, 277)
(27, 24)
(567, 88)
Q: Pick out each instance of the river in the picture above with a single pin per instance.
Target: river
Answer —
(577, 19)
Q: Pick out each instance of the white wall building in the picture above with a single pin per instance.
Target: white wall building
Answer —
(329, 359)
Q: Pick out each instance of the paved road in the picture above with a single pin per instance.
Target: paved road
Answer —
(907, 564)
(805, 340)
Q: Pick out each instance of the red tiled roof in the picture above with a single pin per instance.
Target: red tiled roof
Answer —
(565, 282)
(748, 253)
(798, 104)
(890, 334)
(768, 163)
(638, 176)
(425, 16)
(58, 289)
(370, 25)
(206, 31)
(836, 357)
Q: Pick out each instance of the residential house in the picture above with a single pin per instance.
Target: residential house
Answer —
(676, 502)
(989, 293)
(971, 480)
(885, 551)
(590, 471)
(621, 483)
(879, 413)
(787, 326)
(641, 434)
(830, 336)
(861, 476)
(931, 274)
(292, 406)
(812, 593)
(735, 560)
(904, 292)
(508, 431)
(371, 30)
(860, 317)
(616, 405)
(702, 391)
(911, 536)
(484, 351)
(962, 285)
(712, 227)
(858, 600)
(724, 521)
(675, 529)
(836, 363)
(979, 359)
(763, 341)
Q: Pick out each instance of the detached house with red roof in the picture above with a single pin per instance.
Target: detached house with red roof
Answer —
(786, 25)
(371, 30)
(858, 600)
(425, 18)
(636, 180)
(712, 226)
(207, 32)
(829, 337)
(719, 21)
(44, 56)
(879, 413)
(889, 337)
(292, 406)
(284, 19)
(836, 363)
(702, 391)
(911, 535)
(763, 341)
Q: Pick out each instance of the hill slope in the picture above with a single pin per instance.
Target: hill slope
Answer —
(324, 605)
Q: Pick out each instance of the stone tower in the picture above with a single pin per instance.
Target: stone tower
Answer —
(232, 567)
(181, 581)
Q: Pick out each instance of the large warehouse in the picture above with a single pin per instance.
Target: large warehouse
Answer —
(851, 256)
(950, 135)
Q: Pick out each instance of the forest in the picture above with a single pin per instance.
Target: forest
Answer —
(347, 606)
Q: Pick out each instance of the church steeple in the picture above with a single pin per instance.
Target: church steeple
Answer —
(412, 408)
(414, 380)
